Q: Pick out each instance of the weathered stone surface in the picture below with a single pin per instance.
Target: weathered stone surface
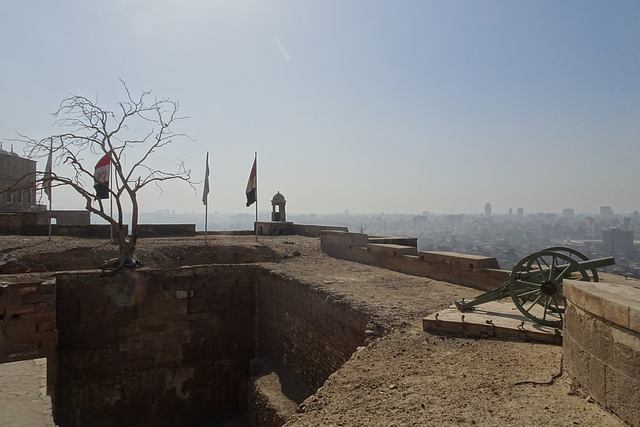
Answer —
(601, 346)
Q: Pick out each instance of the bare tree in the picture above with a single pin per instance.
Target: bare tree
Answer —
(98, 131)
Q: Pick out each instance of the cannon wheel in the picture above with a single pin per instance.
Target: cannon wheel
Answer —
(579, 256)
(535, 284)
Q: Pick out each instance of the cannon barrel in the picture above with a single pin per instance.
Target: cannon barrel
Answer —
(588, 264)
(597, 263)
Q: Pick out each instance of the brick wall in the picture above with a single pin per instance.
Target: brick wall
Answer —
(153, 347)
(27, 320)
(309, 332)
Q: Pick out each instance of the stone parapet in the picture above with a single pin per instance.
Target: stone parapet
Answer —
(602, 344)
(468, 270)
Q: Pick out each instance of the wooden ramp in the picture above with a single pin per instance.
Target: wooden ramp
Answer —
(495, 319)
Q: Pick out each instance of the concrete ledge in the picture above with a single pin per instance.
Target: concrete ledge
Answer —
(602, 344)
(615, 303)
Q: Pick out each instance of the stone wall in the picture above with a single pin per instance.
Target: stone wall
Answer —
(315, 230)
(97, 231)
(601, 344)
(10, 223)
(468, 270)
(166, 230)
(277, 228)
(312, 334)
(27, 320)
(154, 348)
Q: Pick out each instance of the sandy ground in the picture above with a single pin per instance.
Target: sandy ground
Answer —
(402, 376)
(23, 398)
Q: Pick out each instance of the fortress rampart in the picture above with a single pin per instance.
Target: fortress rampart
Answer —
(400, 254)
(171, 347)
(174, 347)
(601, 335)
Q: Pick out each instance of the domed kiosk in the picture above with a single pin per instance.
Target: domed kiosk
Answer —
(278, 224)
(277, 208)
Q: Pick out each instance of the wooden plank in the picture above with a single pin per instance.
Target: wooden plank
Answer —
(495, 319)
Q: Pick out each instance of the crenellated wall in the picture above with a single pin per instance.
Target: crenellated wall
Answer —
(469, 270)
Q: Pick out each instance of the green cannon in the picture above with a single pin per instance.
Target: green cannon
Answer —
(535, 283)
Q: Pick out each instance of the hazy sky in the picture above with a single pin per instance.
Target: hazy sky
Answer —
(372, 106)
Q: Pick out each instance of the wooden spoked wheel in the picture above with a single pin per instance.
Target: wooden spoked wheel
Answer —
(535, 284)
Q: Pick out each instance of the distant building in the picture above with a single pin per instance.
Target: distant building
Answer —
(606, 212)
(617, 241)
(568, 213)
(17, 183)
(590, 224)
(625, 223)
(18, 206)
(487, 209)
(520, 212)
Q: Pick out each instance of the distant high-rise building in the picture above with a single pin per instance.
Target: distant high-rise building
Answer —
(520, 212)
(487, 209)
(568, 213)
(590, 224)
(625, 223)
(510, 211)
(606, 212)
(616, 241)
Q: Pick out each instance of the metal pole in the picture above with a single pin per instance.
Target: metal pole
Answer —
(50, 192)
(256, 223)
(206, 209)
(111, 177)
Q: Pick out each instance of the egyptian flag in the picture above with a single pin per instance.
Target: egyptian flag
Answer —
(252, 185)
(101, 177)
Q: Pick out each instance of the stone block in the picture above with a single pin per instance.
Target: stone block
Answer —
(586, 369)
(46, 326)
(18, 310)
(634, 317)
(622, 395)
(616, 311)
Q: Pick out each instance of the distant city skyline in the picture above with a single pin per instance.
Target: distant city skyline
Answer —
(398, 107)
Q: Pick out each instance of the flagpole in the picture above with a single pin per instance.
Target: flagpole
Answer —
(206, 200)
(206, 209)
(50, 192)
(111, 200)
(256, 223)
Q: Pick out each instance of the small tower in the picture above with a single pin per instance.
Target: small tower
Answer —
(277, 208)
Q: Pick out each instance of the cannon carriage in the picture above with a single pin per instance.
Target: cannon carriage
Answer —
(535, 283)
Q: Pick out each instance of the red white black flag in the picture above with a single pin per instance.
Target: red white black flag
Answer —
(101, 177)
(252, 185)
